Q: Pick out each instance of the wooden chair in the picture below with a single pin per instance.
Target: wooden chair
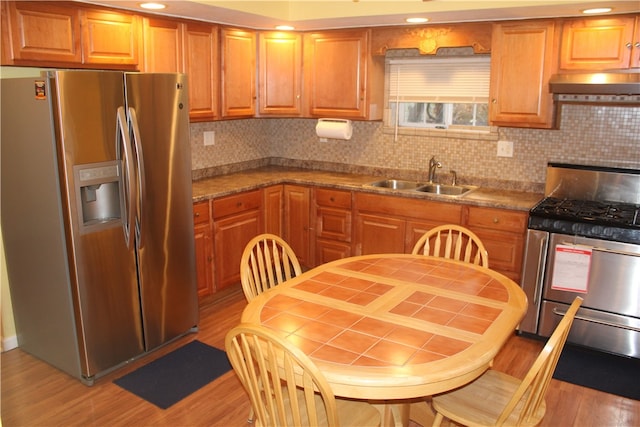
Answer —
(269, 367)
(455, 242)
(496, 399)
(267, 261)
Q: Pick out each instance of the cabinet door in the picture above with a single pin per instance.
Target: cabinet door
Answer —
(523, 58)
(376, 234)
(44, 32)
(238, 73)
(330, 250)
(336, 72)
(272, 206)
(110, 38)
(162, 46)
(203, 249)
(597, 44)
(201, 65)
(280, 73)
(297, 205)
(231, 236)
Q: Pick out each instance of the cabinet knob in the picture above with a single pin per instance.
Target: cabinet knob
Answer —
(238, 204)
(494, 101)
(332, 199)
(637, 44)
(629, 45)
(496, 220)
(197, 214)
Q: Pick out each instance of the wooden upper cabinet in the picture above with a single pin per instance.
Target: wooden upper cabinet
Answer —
(279, 73)
(162, 46)
(600, 44)
(342, 79)
(110, 38)
(201, 65)
(42, 31)
(238, 75)
(523, 58)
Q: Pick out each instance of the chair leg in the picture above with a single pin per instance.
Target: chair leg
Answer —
(437, 420)
(250, 419)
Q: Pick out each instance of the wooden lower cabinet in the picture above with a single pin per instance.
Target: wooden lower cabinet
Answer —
(324, 224)
(272, 206)
(236, 220)
(502, 232)
(297, 222)
(203, 249)
(333, 221)
(389, 224)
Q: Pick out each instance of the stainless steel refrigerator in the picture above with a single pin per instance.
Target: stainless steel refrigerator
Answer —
(96, 215)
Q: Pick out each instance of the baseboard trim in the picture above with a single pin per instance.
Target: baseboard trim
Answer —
(9, 343)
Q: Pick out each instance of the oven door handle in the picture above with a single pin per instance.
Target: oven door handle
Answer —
(598, 321)
(611, 251)
(542, 254)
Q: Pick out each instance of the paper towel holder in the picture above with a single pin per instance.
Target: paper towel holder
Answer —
(334, 128)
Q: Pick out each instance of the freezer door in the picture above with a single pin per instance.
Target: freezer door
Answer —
(158, 113)
(104, 278)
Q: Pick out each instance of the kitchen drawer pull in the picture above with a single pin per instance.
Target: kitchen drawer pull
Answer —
(598, 321)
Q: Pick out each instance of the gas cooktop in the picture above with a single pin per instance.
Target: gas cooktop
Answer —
(588, 218)
(595, 212)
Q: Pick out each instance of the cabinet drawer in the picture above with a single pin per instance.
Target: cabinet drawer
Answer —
(497, 219)
(201, 213)
(237, 203)
(333, 198)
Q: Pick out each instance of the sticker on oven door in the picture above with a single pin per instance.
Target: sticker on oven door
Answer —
(571, 268)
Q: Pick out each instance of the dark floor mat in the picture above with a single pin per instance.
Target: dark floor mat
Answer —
(174, 376)
(601, 371)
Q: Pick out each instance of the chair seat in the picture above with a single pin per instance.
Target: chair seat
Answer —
(470, 405)
(352, 413)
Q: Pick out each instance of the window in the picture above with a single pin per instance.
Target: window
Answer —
(439, 93)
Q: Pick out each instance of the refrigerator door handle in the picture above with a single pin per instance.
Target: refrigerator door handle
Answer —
(135, 129)
(128, 191)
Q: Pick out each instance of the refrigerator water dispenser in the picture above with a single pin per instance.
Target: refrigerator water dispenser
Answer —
(98, 195)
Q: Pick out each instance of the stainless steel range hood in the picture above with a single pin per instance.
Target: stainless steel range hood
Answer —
(621, 88)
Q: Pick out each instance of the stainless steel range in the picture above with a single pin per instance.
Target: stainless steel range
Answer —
(584, 239)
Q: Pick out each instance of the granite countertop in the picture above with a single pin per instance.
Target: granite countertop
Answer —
(224, 185)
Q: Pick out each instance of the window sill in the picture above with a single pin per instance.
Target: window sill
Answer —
(490, 135)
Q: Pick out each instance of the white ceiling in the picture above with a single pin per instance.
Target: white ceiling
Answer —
(315, 14)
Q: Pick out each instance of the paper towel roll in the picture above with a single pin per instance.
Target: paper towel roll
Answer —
(334, 128)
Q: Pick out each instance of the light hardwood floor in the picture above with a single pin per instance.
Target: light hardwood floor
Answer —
(35, 394)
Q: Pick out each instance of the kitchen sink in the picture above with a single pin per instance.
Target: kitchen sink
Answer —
(429, 188)
(446, 190)
(396, 184)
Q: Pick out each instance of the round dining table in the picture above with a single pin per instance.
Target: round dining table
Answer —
(394, 326)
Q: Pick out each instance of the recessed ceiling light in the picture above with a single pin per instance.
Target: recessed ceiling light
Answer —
(416, 20)
(153, 6)
(597, 10)
(285, 28)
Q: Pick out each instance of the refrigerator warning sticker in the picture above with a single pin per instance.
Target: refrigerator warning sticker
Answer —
(571, 268)
(40, 89)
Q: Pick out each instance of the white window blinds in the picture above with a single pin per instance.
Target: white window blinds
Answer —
(443, 80)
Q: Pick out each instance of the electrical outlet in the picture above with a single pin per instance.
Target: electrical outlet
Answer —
(505, 148)
(209, 137)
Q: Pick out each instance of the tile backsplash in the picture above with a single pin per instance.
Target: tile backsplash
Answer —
(588, 134)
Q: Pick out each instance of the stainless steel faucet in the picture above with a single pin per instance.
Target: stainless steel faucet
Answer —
(433, 164)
